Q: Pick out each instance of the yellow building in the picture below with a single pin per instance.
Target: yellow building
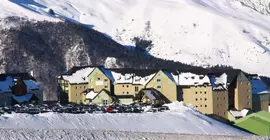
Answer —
(128, 82)
(103, 97)
(166, 83)
(76, 80)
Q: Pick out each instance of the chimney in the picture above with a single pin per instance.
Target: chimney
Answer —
(32, 73)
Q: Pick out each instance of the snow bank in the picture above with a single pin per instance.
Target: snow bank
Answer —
(180, 119)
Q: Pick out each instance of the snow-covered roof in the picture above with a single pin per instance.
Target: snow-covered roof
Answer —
(241, 113)
(10, 82)
(142, 80)
(4, 85)
(24, 98)
(219, 83)
(122, 78)
(258, 86)
(79, 76)
(190, 79)
(91, 95)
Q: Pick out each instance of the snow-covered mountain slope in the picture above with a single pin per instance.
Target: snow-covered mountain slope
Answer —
(180, 119)
(198, 32)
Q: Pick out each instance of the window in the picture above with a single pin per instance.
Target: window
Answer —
(248, 90)
(158, 80)
(106, 86)
(248, 103)
(127, 85)
(123, 85)
(105, 102)
(196, 106)
(224, 113)
(196, 92)
(123, 92)
(158, 86)
(136, 88)
(205, 105)
(76, 87)
(201, 105)
(200, 98)
(217, 98)
(205, 99)
(223, 98)
(105, 80)
(84, 87)
(248, 83)
(196, 99)
(127, 92)
(248, 96)
(98, 78)
(200, 92)
(205, 92)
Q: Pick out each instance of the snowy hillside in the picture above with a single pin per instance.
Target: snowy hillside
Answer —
(198, 32)
(180, 119)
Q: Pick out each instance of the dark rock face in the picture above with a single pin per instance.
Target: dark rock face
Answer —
(48, 48)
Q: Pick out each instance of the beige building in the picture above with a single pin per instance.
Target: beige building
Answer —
(166, 83)
(240, 92)
(103, 97)
(207, 93)
(78, 79)
(200, 96)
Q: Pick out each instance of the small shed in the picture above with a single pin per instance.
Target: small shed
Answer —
(104, 97)
(151, 96)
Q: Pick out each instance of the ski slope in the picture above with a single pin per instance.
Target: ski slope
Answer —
(180, 119)
(197, 32)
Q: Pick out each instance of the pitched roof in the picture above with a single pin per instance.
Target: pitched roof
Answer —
(152, 94)
(241, 113)
(90, 94)
(218, 82)
(8, 80)
(191, 79)
(24, 98)
(79, 76)
(258, 86)
(76, 68)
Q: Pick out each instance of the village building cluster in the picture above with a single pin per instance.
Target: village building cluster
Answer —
(226, 95)
(19, 88)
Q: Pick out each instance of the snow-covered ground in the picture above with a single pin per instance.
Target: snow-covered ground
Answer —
(180, 119)
(198, 32)
(78, 134)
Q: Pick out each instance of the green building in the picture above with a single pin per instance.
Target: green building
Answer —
(257, 123)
